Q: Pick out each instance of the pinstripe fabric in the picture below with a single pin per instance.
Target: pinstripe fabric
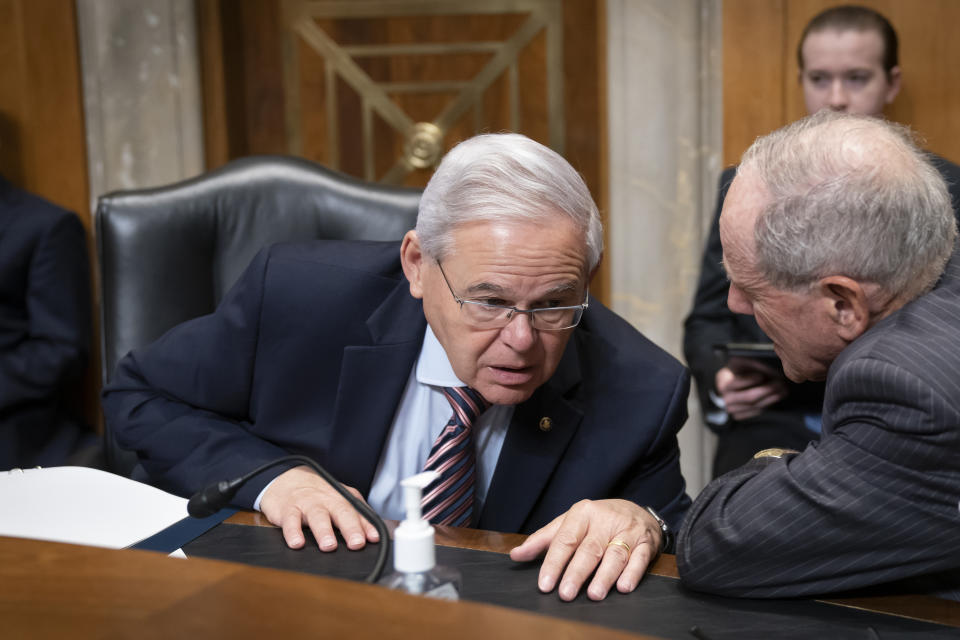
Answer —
(449, 499)
(877, 500)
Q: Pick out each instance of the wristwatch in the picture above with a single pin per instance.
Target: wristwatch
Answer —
(666, 536)
(775, 452)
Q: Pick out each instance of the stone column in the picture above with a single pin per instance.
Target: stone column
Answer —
(141, 88)
(664, 101)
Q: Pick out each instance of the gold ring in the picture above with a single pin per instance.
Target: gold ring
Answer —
(620, 543)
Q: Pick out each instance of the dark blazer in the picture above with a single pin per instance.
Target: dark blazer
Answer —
(310, 353)
(44, 329)
(875, 500)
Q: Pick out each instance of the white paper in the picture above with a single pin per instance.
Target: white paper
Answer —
(84, 506)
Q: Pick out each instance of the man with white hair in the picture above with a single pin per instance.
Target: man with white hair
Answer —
(839, 237)
(357, 354)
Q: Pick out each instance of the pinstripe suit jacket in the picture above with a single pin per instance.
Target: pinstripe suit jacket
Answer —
(876, 500)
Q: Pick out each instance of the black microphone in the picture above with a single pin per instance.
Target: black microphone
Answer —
(208, 501)
(214, 497)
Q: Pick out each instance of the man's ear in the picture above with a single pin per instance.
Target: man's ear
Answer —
(847, 306)
(893, 80)
(412, 260)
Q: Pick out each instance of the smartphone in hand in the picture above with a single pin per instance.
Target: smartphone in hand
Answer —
(755, 350)
(751, 357)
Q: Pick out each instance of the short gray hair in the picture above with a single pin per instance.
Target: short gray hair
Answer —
(853, 196)
(504, 177)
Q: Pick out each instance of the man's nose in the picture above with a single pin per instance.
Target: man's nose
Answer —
(838, 99)
(519, 333)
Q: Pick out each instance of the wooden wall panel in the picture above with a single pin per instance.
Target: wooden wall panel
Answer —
(346, 151)
(242, 45)
(929, 100)
(753, 68)
(12, 85)
(42, 146)
(210, 45)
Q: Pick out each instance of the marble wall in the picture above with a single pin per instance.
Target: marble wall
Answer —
(665, 110)
(141, 92)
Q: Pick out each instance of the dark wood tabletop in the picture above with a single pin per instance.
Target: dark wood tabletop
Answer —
(50, 589)
(917, 607)
(55, 590)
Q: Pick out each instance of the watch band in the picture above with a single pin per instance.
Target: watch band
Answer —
(666, 536)
(774, 452)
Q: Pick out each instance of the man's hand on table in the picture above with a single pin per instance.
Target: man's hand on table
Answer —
(299, 496)
(583, 538)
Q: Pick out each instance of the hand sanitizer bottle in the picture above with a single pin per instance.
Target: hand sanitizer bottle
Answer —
(414, 558)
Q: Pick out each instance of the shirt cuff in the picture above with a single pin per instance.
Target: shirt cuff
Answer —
(719, 416)
(256, 503)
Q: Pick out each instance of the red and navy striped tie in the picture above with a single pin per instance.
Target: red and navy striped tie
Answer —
(449, 499)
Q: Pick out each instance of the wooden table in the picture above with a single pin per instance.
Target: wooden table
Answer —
(57, 590)
(53, 590)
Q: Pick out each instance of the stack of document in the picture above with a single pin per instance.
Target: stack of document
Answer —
(84, 506)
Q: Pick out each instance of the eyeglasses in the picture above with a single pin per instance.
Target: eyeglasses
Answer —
(483, 315)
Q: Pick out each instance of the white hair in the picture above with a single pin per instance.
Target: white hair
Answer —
(854, 196)
(504, 177)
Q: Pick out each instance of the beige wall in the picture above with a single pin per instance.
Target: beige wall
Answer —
(141, 93)
(664, 137)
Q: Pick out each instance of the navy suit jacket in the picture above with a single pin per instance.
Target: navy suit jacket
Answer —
(875, 501)
(44, 329)
(310, 352)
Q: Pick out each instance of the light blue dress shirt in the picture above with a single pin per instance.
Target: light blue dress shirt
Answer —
(422, 414)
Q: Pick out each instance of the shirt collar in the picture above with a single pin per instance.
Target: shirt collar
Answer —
(433, 365)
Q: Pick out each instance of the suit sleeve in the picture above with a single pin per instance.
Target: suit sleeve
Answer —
(710, 321)
(183, 403)
(658, 474)
(58, 310)
(873, 502)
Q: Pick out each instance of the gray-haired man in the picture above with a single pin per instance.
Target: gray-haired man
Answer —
(355, 353)
(838, 236)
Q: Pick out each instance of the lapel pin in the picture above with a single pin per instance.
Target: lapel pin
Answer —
(546, 424)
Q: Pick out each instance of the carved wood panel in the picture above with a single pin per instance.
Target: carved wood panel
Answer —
(397, 83)
(379, 89)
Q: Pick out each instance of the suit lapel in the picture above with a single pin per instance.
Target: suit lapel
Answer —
(372, 380)
(539, 433)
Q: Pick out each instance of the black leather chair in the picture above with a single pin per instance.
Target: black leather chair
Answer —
(169, 254)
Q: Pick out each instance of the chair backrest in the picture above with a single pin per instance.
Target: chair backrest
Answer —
(169, 254)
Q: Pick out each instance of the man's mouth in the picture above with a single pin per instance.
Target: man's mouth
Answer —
(511, 375)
